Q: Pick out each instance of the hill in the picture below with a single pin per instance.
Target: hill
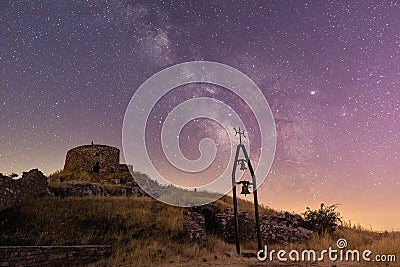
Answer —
(146, 232)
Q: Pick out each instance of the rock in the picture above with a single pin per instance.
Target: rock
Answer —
(304, 231)
(32, 183)
(297, 217)
(84, 189)
(194, 225)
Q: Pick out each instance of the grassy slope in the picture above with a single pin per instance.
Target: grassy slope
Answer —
(145, 232)
(140, 229)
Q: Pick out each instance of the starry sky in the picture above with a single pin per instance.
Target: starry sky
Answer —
(330, 71)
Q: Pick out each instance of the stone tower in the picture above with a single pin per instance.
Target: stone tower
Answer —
(93, 158)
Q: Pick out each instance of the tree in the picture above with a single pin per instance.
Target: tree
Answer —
(324, 220)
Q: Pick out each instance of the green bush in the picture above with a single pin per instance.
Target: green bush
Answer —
(324, 220)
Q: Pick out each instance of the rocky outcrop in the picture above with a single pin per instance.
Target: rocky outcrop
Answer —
(283, 229)
(90, 189)
(12, 191)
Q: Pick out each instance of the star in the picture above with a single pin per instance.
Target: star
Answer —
(68, 72)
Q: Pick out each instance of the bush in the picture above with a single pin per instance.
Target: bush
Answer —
(324, 220)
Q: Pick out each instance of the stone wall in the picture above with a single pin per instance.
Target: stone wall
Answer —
(85, 158)
(32, 183)
(51, 255)
(283, 229)
(90, 189)
(194, 224)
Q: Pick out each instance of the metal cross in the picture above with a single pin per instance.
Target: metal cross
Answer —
(240, 134)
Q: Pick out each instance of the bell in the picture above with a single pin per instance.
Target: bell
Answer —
(245, 189)
(242, 165)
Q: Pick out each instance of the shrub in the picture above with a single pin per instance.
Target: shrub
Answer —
(324, 220)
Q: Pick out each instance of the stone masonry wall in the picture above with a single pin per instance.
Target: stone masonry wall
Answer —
(90, 190)
(282, 229)
(12, 191)
(51, 255)
(194, 225)
(84, 158)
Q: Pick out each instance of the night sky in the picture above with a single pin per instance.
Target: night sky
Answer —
(329, 70)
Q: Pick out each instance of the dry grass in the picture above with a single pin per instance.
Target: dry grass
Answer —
(64, 176)
(145, 232)
(142, 231)
(357, 239)
(226, 202)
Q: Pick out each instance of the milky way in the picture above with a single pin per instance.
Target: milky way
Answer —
(329, 70)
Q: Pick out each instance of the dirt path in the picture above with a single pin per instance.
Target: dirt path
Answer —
(253, 262)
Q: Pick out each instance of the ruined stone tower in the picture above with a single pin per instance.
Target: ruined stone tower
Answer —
(93, 158)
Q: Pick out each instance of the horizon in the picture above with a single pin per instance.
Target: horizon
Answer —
(298, 209)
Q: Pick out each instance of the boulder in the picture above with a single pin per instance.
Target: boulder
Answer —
(12, 191)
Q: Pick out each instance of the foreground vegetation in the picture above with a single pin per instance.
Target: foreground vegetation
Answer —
(145, 232)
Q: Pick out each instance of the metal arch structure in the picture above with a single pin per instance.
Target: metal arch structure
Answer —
(242, 148)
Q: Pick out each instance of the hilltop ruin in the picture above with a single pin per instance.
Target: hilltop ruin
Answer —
(94, 158)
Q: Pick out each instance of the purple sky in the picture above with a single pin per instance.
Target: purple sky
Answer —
(330, 71)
